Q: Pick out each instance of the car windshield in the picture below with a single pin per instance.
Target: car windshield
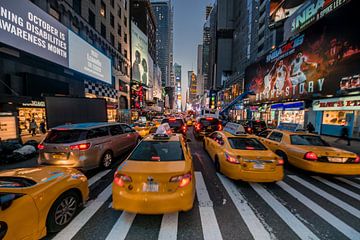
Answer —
(308, 140)
(158, 151)
(65, 136)
(15, 182)
(173, 122)
(209, 121)
(246, 144)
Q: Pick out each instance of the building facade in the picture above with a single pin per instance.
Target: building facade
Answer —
(177, 72)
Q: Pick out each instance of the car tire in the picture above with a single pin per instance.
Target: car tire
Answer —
(106, 160)
(217, 164)
(66, 205)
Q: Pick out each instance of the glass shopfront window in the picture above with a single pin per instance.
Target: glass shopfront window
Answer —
(335, 117)
(292, 117)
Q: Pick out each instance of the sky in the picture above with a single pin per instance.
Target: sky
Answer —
(189, 18)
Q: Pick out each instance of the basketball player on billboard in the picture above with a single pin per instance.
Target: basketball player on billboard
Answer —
(297, 76)
(281, 76)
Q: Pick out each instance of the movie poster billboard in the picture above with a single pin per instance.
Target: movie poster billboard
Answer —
(281, 9)
(139, 55)
(321, 61)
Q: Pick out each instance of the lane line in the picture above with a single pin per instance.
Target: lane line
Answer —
(253, 223)
(210, 226)
(81, 219)
(169, 226)
(341, 204)
(98, 176)
(321, 212)
(339, 188)
(121, 227)
(293, 222)
(355, 185)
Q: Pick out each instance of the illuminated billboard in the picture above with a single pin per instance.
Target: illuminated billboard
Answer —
(317, 63)
(139, 55)
(282, 9)
(31, 30)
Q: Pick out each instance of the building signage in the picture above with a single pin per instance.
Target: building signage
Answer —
(139, 55)
(31, 30)
(317, 63)
(34, 104)
(7, 127)
(345, 103)
(280, 9)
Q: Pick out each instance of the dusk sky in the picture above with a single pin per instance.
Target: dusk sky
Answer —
(189, 18)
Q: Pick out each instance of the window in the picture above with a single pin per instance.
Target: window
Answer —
(112, 39)
(219, 139)
(173, 123)
(125, 21)
(112, 20)
(125, 53)
(127, 129)
(98, 132)
(112, 3)
(246, 144)
(116, 130)
(54, 13)
(103, 9)
(91, 18)
(276, 136)
(264, 134)
(158, 151)
(15, 182)
(119, 11)
(206, 122)
(125, 37)
(103, 30)
(93, 1)
(65, 136)
(308, 140)
(125, 4)
(119, 47)
(119, 30)
(77, 6)
(335, 117)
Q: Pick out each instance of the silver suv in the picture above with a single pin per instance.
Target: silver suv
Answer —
(86, 145)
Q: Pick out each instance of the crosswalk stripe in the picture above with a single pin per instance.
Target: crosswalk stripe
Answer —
(294, 223)
(253, 223)
(78, 222)
(339, 188)
(328, 217)
(169, 225)
(341, 204)
(209, 222)
(355, 185)
(95, 178)
(121, 227)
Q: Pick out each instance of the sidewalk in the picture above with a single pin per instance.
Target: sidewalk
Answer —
(355, 145)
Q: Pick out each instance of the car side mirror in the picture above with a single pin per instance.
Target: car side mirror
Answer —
(188, 140)
(6, 200)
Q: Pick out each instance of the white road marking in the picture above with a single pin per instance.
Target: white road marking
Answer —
(328, 217)
(294, 223)
(110, 205)
(121, 227)
(78, 222)
(253, 223)
(210, 226)
(99, 175)
(339, 188)
(355, 185)
(169, 226)
(341, 204)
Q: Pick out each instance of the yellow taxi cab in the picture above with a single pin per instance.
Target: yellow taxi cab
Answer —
(310, 152)
(189, 122)
(157, 121)
(144, 128)
(157, 177)
(34, 201)
(240, 156)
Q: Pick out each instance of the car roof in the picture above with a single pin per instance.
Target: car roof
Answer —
(293, 133)
(83, 126)
(173, 138)
(227, 134)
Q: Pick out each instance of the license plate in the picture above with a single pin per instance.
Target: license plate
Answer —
(58, 156)
(209, 128)
(258, 166)
(337, 159)
(150, 187)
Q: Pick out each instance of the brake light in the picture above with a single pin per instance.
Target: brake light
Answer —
(155, 158)
(209, 118)
(249, 129)
(172, 119)
(197, 126)
(121, 179)
(183, 180)
(231, 159)
(184, 128)
(311, 156)
(220, 127)
(280, 162)
(41, 146)
(82, 146)
(357, 159)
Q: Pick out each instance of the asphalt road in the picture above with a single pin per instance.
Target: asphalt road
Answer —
(302, 206)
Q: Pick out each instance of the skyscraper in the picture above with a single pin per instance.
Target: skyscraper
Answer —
(177, 72)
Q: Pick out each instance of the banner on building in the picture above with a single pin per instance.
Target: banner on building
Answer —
(282, 9)
(317, 63)
(139, 54)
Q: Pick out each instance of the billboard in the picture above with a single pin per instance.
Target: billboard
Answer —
(31, 30)
(282, 9)
(139, 55)
(317, 63)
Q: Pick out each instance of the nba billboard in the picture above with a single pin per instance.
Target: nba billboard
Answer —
(139, 56)
(314, 64)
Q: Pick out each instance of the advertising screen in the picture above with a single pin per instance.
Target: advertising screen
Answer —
(139, 55)
(281, 9)
(31, 30)
(87, 60)
(317, 63)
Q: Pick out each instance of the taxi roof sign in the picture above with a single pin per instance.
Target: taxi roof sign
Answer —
(234, 129)
(291, 127)
(163, 131)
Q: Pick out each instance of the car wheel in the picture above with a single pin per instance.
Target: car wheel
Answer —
(62, 211)
(106, 160)
(217, 164)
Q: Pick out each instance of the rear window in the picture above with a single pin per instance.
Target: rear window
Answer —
(246, 144)
(260, 124)
(308, 140)
(65, 136)
(138, 125)
(209, 121)
(15, 182)
(158, 151)
(173, 122)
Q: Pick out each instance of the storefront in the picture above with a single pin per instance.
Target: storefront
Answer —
(335, 113)
(34, 110)
(291, 112)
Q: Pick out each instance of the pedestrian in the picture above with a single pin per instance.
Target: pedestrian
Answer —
(344, 135)
(42, 127)
(33, 127)
(310, 127)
